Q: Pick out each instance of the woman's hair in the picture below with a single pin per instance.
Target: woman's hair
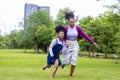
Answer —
(69, 15)
(59, 28)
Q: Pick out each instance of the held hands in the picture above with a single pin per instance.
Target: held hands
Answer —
(66, 44)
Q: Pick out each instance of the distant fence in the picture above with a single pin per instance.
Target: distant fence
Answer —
(98, 55)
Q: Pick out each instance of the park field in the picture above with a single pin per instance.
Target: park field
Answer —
(20, 65)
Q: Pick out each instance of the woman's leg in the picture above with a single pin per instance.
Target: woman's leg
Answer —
(55, 68)
(63, 65)
(74, 58)
(72, 70)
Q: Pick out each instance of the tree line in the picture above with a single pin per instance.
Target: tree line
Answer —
(39, 31)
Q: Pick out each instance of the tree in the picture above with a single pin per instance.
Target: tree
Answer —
(13, 39)
(85, 24)
(104, 29)
(44, 36)
(1, 41)
(61, 16)
(113, 18)
(35, 20)
(22, 41)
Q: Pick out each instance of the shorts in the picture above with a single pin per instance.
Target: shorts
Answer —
(70, 55)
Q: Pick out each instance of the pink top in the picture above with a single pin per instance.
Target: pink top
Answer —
(81, 34)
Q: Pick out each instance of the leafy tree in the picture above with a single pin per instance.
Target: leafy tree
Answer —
(13, 39)
(85, 24)
(103, 31)
(61, 16)
(35, 20)
(44, 36)
(1, 41)
(22, 41)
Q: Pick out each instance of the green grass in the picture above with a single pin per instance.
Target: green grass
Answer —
(17, 65)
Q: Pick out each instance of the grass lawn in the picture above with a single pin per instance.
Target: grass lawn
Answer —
(17, 65)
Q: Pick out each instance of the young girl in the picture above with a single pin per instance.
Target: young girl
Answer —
(55, 47)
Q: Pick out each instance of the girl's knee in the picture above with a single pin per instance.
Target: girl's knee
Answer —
(56, 66)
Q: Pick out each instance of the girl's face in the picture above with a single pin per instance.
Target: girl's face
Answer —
(61, 35)
(71, 22)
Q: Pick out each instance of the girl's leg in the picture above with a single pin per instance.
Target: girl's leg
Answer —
(55, 68)
(48, 62)
(72, 70)
(46, 66)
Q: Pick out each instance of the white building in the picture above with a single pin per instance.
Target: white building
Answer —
(30, 8)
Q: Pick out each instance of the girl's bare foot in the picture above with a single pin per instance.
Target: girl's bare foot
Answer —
(44, 67)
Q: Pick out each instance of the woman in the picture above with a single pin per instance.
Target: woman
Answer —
(73, 33)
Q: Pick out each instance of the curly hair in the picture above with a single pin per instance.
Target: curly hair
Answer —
(69, 15)
(59, 28)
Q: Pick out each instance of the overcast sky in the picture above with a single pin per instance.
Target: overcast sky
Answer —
(12, 11)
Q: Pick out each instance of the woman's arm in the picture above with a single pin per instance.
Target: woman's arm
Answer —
(84, 35)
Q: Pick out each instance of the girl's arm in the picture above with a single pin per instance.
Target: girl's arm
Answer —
(65, 46)
(51, 46)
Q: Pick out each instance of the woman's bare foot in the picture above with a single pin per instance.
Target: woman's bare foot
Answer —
(51, 77)
(70, 76)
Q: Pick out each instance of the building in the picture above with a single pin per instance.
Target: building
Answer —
(30, 8)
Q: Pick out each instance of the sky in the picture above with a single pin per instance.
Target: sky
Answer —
(12, 11)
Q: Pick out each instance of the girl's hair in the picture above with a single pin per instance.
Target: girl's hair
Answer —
(69, 15)
(59, 28)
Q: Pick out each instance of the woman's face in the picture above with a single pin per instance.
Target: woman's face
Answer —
(71, 22)
(61, 35)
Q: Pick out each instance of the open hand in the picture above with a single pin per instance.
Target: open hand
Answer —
(95, 44)
(51, 56)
